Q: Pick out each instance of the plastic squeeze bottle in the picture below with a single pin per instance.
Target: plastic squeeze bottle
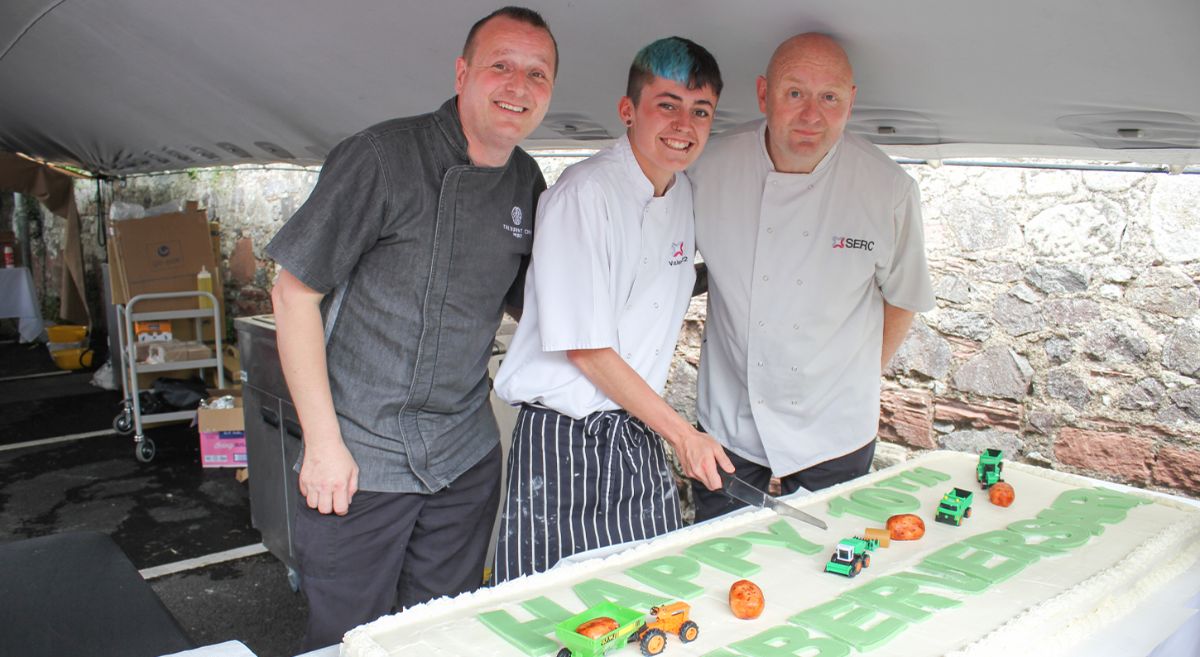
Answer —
(204, 284)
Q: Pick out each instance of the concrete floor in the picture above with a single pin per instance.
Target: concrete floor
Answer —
(159, 513)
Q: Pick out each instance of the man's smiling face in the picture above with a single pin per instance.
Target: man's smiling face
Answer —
(504, 89)
(670, 125)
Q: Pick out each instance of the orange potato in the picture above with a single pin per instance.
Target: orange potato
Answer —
(906, 527)
(597, 627)
(746, 599)
(1002, 494)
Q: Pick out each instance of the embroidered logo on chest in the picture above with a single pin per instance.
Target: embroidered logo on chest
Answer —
(677, 256)
(853, 243)
(515, 229)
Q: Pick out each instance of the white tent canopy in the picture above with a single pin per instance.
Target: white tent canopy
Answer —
(125, 86)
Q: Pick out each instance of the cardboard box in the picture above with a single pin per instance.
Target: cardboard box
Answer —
(177, 351)
(162, 253)
(223, 433)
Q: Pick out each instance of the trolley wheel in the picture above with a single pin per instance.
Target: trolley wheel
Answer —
(144, 450)
(123, 423)
(564, 653)
(293, 580)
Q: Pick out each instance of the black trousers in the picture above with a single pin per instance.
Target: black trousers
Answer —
(713, 503)
(394, 550)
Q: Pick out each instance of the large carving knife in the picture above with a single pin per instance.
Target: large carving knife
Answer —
(744, 492)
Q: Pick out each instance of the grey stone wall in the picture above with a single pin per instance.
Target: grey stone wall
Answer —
(1066, 329)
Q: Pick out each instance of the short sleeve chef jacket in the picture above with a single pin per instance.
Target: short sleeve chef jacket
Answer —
(417, 251)
(799, 266)
(612, 267)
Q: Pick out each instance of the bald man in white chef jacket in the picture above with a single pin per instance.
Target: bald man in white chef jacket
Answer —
(816, 265)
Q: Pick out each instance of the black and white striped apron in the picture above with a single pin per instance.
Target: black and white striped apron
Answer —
(577, 485)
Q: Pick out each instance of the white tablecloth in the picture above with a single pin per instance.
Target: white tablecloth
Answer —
(18, 299)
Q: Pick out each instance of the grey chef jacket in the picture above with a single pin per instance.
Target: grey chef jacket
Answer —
(417, 251)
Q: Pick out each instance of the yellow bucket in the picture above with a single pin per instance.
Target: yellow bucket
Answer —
(66, 333)
(72, 359)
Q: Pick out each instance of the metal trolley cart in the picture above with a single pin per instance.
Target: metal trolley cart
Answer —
(131, 419)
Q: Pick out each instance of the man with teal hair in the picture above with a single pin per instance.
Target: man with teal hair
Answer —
(608, 284)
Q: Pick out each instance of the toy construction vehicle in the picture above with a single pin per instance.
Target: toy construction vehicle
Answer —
(632, 627)
(990, 470)
(851, 555)
(955, 506)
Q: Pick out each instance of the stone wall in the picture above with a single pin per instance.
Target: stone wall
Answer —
(1066, 330)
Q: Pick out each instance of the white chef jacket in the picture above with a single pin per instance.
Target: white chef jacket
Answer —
(798, 268)
(612, 267)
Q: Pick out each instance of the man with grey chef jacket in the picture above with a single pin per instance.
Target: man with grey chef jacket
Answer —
(816, 265)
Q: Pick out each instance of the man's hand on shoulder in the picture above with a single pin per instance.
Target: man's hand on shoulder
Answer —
(328, 476)
(700, 455)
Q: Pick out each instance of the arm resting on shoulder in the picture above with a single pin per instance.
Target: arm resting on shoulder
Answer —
(328, 473)
(699, 454)
(896, 322)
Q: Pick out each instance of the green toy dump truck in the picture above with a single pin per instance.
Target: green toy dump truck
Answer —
(851, 555)
(955, 506)
(632, 627)
(991, 468)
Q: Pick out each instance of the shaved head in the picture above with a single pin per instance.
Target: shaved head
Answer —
(807, 95)
(812, 48)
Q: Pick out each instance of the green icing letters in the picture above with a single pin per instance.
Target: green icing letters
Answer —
(952, 580)
(925, 476)
(594, 591)
(724, 554)
(787, 641)
(528, 636)
(900, 598)
(669, 575)
(848, 621)
(974, 561)
(898, 482)
(1058, 537)
(1006, 543)
(1099, 504)
(721, 652)
(875, 504)
(782, 534)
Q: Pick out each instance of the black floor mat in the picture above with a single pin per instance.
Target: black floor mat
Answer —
(21, 359)
(159, 512)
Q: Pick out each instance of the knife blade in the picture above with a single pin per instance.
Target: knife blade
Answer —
(744, 492)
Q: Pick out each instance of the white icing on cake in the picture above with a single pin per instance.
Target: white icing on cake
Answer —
(1049, 604)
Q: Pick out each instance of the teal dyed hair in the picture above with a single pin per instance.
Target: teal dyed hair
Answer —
(677, 59)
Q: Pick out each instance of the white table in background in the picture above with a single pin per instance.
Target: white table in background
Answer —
(18, 299)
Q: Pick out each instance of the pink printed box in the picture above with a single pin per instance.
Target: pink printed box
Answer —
(222, 434)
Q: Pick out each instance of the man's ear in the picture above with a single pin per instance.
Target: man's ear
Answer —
(460, 74)
(760, 86)
(625, 110)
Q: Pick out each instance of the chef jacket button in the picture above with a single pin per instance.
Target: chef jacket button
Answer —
(656, 352)
(628, 356)
(766, 278)
(629, 306)
(656, 305)
(760, 363)
(760, 401)
(793, 402)
(645, 261)
(770, 229)
(793, 368)
(796, 326)
(762, 323)
(806, 233)
(799, 282)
